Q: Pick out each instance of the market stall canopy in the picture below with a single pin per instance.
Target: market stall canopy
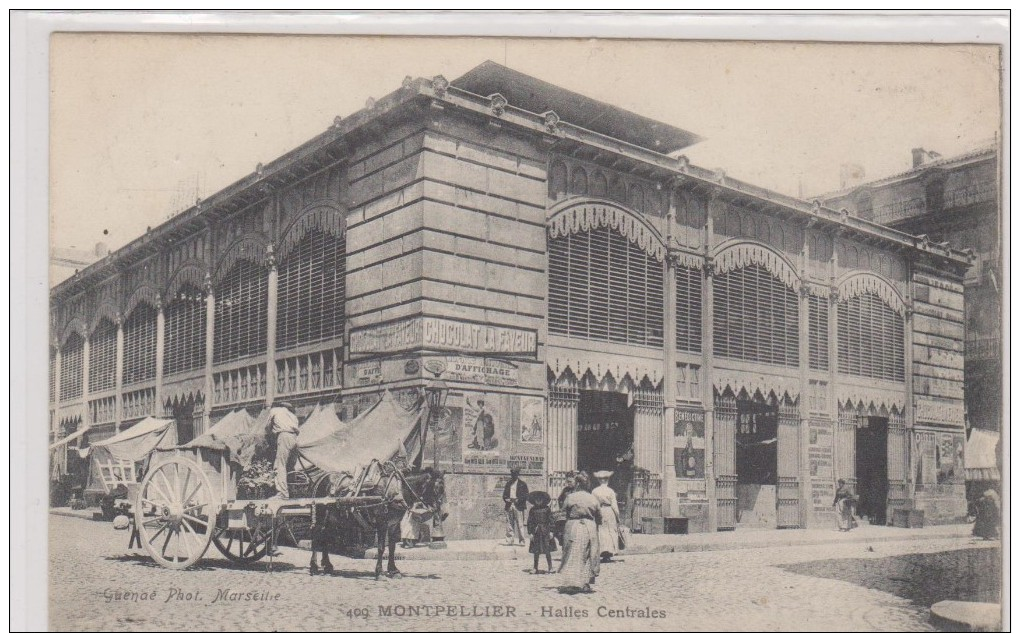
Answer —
(981, 459)
(385, 431)
(70, 438)
(137, 442)
(238, 435)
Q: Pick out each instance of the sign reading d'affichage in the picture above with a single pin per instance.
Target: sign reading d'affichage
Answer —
(443, 334)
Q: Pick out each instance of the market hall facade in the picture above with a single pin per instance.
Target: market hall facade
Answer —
(590, 298)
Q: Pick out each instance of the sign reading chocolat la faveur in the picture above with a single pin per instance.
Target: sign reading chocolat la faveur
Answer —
(443, 334)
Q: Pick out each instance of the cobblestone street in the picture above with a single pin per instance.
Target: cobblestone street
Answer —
(802, 588)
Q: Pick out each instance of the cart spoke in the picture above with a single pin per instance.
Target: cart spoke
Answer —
(156, 534)
(169, 486)
(184, 486)
(185, 532)
(190, 496)
(195, 519)
(157, 492)
(169, 533)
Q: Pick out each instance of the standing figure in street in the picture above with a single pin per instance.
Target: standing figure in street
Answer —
(540, 527)
(609, 511)
(285, 427)
(515, 500)
(986, 525)
(580, 564)
(415, 526)
(844, 504)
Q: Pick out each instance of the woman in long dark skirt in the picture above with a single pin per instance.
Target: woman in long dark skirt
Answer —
(540, 527)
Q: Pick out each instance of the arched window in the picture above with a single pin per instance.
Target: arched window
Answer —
(71, 367)
(184, 334)
(311, 291)
(103, 357)
(603, 287)
(755, 317)
(870, 338)
(140, 345)
(688, 309)
(240, 313)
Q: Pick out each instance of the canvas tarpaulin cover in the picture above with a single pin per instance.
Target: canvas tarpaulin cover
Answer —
(122, 451)
(238, 435)
(981, 460)
(385, 431)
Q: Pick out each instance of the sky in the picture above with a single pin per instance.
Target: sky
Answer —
(141, 125)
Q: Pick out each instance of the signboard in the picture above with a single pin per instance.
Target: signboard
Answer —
(689, 443)
(443, 334)
(532, 420)
(820, 462)
(486, 371)
(368, 372)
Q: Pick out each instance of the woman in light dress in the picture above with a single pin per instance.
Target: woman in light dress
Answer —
(609, 510)
(580, 564)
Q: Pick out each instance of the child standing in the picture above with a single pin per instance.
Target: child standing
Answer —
(540, 527)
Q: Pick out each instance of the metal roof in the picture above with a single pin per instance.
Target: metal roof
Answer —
(534, 95)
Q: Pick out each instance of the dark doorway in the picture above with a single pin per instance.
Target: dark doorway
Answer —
(757, 439)
(605, 430)
(184, 413)
(872, 468)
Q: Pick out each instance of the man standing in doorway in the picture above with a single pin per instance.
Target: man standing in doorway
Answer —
(515, 498)
(285, 428)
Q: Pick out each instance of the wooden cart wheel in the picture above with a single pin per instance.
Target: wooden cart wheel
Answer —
(175, 513)
(242, 545)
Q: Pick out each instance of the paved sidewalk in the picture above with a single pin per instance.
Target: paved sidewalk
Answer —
(496, 549)
(702, 542)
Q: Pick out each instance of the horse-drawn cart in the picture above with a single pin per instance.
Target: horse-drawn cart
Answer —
(188, 497)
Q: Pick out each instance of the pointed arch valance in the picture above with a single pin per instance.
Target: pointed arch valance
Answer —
(782, 386)
(584, 216)
(864, 398)
(862, 283)
(328, 219)
(251, 248)
(744, 254)
(146, 294)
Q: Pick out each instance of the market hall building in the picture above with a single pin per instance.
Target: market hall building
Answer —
(590, 299)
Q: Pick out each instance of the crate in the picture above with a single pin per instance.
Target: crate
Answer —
(676, 525)
(903, 518)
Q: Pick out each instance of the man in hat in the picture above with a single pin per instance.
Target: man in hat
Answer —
(515, 499)
(285, 427)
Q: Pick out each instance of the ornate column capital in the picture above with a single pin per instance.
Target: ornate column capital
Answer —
(270, 257)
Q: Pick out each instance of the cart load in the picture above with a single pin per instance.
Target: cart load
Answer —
(188, 497)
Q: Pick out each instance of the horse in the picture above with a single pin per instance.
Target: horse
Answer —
(399, 489)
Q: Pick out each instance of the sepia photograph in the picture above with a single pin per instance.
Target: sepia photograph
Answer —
(380, 332)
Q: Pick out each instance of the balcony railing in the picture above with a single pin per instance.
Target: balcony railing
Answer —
(970, 194)
(899, 210)
(239, 385)
(140, 403)
(308, 373)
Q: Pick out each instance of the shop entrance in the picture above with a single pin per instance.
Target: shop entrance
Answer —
(872, 468)
(605, 430)
(757, 463)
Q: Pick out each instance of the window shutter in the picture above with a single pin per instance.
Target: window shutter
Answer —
(871, 338)
(140, 345)
(603, 287)
(312, 291)
(241, 304)
(184, 344)
(755, 317)
(103, 357)
(71, 367)
(688, 309)
(818, 332)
